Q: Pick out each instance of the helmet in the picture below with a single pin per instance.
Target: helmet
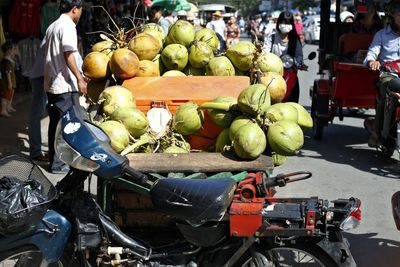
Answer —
(346, 14)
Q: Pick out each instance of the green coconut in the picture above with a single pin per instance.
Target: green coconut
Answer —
(118, 134)
(175, 57)
(221, 117)
(223, 141)
(305, 120)
(181, 32)
(237, 123)
(269, 62)
(249, 142)
(188, 119)
(153, 26)
(276, 85)
(254, 99)
(278, 159)
(208, 36)
(241, 55)
(105, 47)
(220, 66)
(200, 54)
(156, 31)
(133, 119)
(158, 61)
(192, 71)
(281, 111)
(175, 150)
(285, 138)
(173, 73)
(115, 97)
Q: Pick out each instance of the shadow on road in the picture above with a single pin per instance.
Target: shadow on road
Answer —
(370, 251)
(346, 144)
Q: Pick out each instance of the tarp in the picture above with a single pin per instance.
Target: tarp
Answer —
(173, 5)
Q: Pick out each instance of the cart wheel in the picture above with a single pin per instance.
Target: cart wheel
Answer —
(318, 129)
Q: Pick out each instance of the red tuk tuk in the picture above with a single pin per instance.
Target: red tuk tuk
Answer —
(344, 83)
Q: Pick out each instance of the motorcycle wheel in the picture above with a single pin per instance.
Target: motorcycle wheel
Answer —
(309, 255)
(30, 256)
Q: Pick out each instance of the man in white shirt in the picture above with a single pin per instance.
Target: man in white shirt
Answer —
(217, 24)
(62, 78)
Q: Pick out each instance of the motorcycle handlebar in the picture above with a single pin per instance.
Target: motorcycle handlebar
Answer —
(143, 178)
(283, 179)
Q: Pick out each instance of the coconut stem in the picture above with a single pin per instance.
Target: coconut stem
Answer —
(214, 105)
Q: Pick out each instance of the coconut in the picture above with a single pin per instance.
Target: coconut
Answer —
(191, 71)
(305, 120)
(124, 63)
(95, 65)
(114, 97)
(117, 133)
(173, 73)
(145, 46)
(241, 54)
(181, 32)
(280, 112)
(156, 31)
(208, 36)
(188, 118)
(285, 138)
(223, 141)
(278, 159)
(221, 117)
(175, 57)
(148, 68)
(249, 142)
(269, 62)
(105, 47)
(94, 89)
(159, 63)
(237, 123)
(200, 53)
(276, 85)
(220, 66)
(133, 119)
(175, 150)
(153, 26)
(254, 99)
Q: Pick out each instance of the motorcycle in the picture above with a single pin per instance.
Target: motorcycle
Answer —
(220, 222)
(291, 67)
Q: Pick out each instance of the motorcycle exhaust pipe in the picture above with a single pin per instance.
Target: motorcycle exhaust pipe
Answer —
(135, 247)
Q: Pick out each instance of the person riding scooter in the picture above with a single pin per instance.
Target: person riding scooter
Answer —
(383, 49)
(286, 41)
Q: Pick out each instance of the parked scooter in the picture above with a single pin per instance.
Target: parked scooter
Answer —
(290, 75)
(221, 222)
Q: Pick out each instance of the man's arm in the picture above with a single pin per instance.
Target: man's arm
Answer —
(371, 60)
(71, 63)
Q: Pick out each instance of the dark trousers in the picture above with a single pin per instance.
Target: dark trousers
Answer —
(57, 105)
(380, 102)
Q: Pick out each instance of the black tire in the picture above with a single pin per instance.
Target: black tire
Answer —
(318, 129)
(30, 256)
(295, 94)
(271, 256)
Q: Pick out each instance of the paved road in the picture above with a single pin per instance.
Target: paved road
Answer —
(343, 166)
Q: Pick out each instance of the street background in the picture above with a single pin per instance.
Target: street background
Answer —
(342, 165)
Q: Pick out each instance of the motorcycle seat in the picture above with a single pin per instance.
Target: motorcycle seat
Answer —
(193, 200)
(394, 85)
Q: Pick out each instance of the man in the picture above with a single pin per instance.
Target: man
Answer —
(385, 47)
(62, 78)
(217, 24)
(157, 17)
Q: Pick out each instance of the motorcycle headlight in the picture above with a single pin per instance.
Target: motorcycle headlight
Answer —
(287, 61)
(70, 156)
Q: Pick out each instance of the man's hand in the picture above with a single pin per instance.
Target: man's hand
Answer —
(82, 87)
(374, 64)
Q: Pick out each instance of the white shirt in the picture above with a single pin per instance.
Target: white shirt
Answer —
(60, 37)
(218, 26)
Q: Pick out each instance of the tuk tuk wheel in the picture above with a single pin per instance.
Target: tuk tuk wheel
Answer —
(318, 129)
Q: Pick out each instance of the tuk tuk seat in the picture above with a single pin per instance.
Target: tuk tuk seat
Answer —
(353, 83)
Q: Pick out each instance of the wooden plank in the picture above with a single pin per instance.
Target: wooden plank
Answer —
(196, 162)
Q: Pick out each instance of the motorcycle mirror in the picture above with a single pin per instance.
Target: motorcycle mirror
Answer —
(312, 55)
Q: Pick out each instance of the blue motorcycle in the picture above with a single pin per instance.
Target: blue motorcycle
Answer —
(67, 228)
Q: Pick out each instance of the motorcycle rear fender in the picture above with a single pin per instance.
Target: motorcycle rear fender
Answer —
(339, 250)
(396, 208)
